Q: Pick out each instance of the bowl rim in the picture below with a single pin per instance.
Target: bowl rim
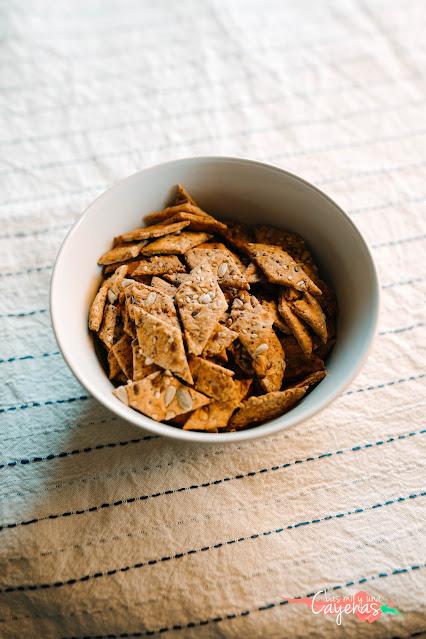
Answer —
(160, 429)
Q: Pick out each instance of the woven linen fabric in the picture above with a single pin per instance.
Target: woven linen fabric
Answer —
(107, 531)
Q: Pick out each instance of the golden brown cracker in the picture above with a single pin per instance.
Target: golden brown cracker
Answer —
(212, 380)
(310, 380)
(201, 305)
(121, 253)
(161, 343)
(108, 328)
(152, 301)
(199, 222)
(257, 410)
(291, 242)
(297, 327)
(157, 265)
(215, 416)
(160, 216)
(161, 396)
(309, 309)
(221, 339)
(163, 286)
(175, 244)
(150, 232)
(113, 365)
(279, 268)
(96, 312)
(182, 196)
(140, 369)
(271, 307)
(222, 263)
(124, 355)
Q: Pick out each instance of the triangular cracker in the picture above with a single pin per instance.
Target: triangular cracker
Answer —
(149, 232)
(161, 396)
(222, 263)
(299, 330)
(201, 305)
(152, 301)
(156, 265)
(257, 410)
(175, 244)
(108, 329)
(280, 268)
(163, 286)
(121, 253)
(169, 211)
(253, 324)
(113, 283)
(310, 380)
(292, 243)
(140, 369)
(161, 343)
(183, 196)
(198, 222)
(215, 416)
(212, 380)
(221, 339)
(309, 309)
(124, 355)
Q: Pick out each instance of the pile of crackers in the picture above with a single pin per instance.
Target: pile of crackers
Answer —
(210, 326)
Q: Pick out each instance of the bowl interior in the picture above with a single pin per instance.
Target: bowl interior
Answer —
(230, 188)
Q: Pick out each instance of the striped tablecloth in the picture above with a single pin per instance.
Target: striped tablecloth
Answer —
(105, 531)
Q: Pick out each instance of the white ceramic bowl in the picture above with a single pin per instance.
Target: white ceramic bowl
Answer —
(235, 189)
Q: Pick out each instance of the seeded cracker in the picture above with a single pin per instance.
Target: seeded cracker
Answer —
(272, 308)
(256, 410)
(221, 339)
(311, 312)
(163, 286)
(107, 332)
(280, 268)
(169, 211)
(297, 327)
(222, 263)
(124, 355)
(98, 305)
(213, 380)
(199, 222)
(140, 369)
(254, 327)
(121, 253)
(149, 232)
(182, 196)
(161, 396)
(161, 343)
(175, 244)
(201, 305)
(292, 243)
(215, 416)
(157, 265)
(152, 301)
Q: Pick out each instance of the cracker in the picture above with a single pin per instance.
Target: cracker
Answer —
(176, 278)
(175, 244)
(108, 328)
(221, 339)
(157, 265)
(279, 268)
(296, 325)
(152, 301)
(215, 416)
(254, 327)
(140, 369)
(310, 380)
(183, 197)
(169, 211)
(124, 355)
(121, 253)
(272, 308)
(239, 235)
(163, 286)
(298, 365)
(212, 380)
(222, 263)
(257, 410)
(96, 312)
(161, 343)
(199, 222)
(292, 243)
(161, 396)
(309, 309)
(253, 274)
(154, 231)
(201, 305)
(113, 365)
